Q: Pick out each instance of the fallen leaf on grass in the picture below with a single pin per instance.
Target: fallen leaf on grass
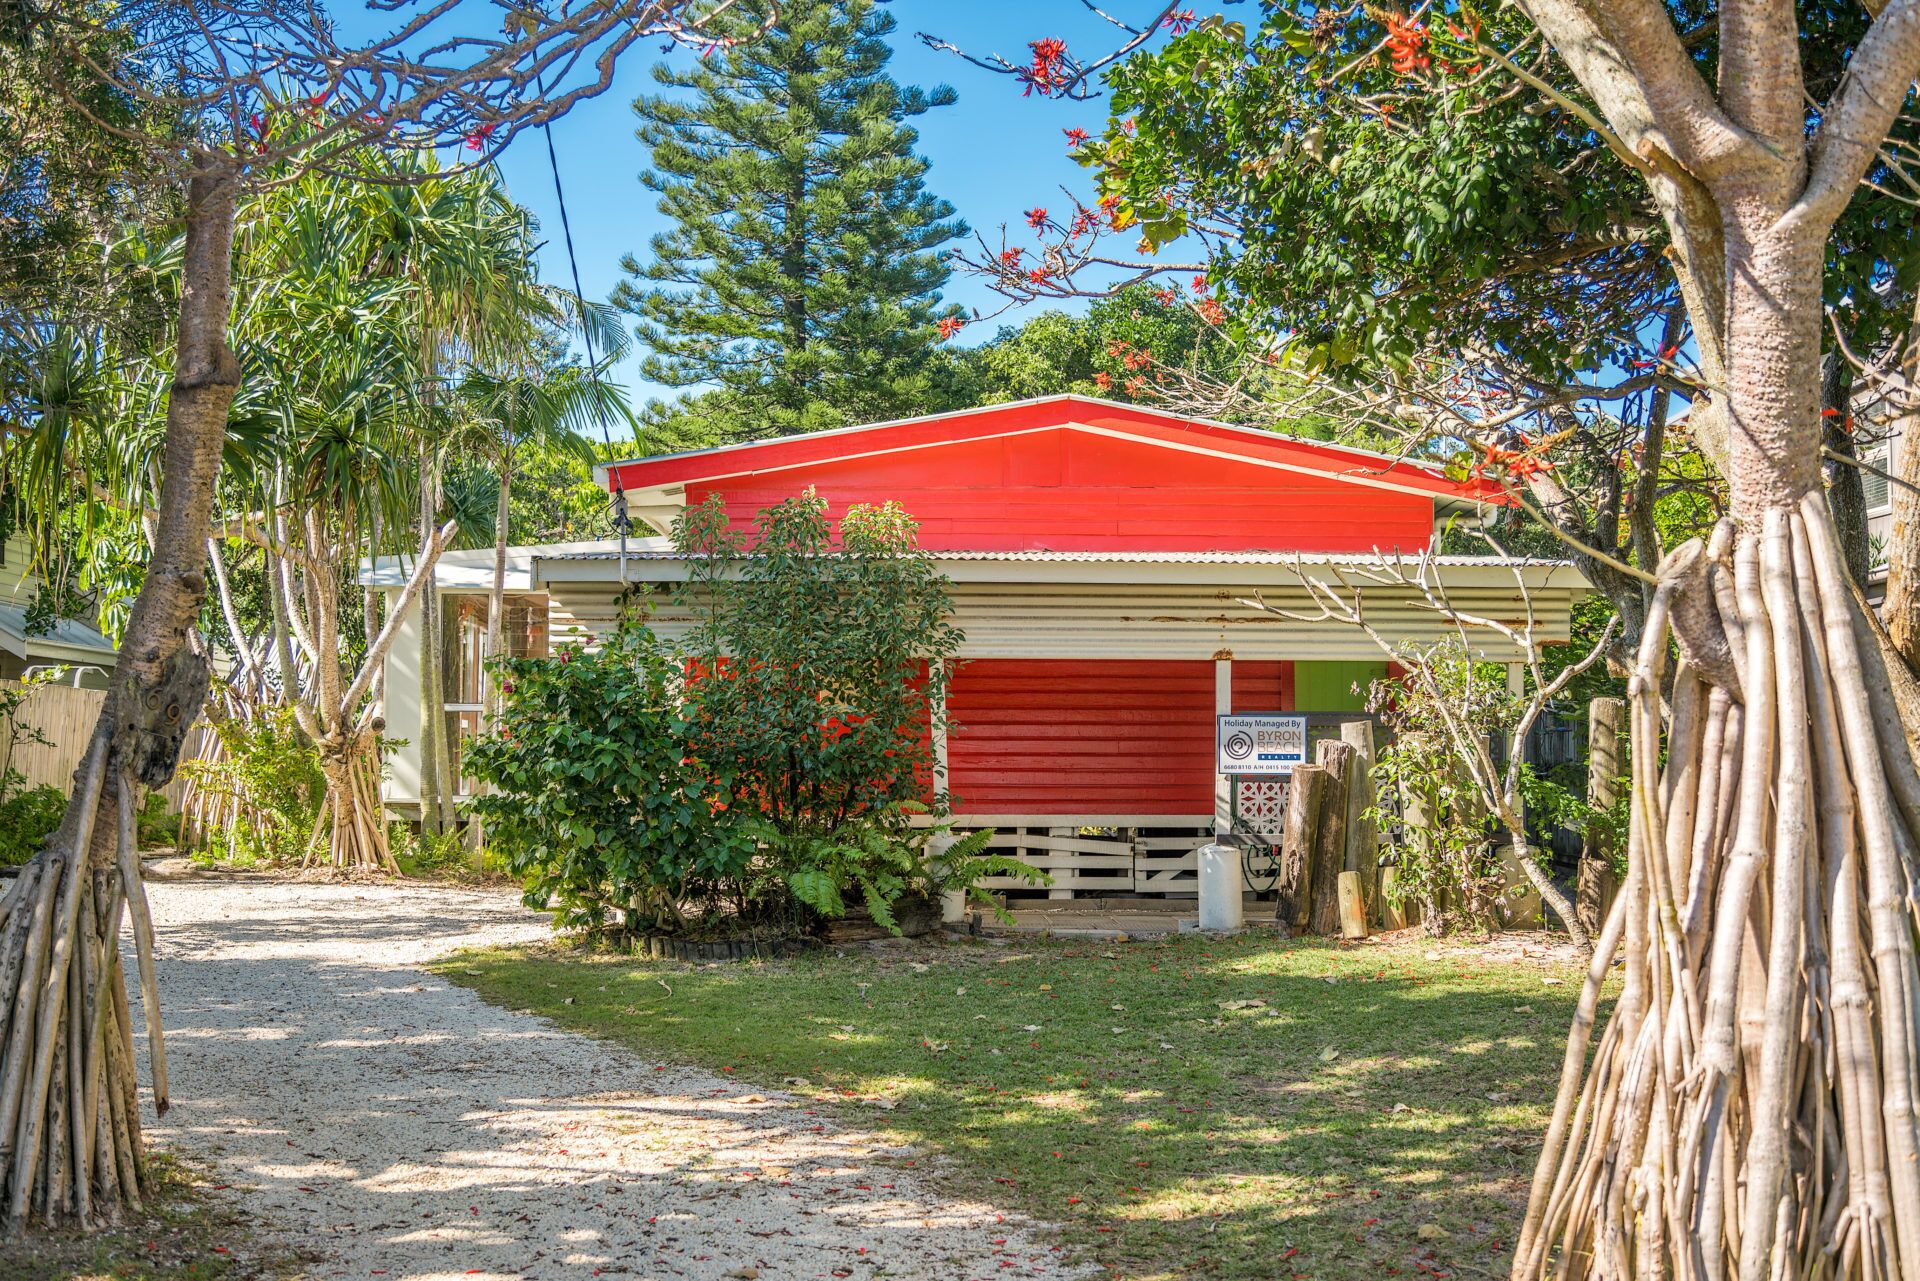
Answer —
(1329, 1054)
(1254, 1004)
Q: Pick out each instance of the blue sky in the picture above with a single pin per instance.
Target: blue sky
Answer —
(993, 153)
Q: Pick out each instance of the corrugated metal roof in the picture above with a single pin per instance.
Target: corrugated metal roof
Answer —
(1358, 561)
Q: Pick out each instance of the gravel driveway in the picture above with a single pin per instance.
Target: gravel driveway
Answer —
(383, 1123)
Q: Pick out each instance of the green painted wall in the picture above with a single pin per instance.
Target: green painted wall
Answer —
(1328, 687)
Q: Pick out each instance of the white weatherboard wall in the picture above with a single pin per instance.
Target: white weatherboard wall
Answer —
(403, 704)
(1081, 620)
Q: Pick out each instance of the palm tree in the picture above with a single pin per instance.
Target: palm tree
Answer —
(503, 412)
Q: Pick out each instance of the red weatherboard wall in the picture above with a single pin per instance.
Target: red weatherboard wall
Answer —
(1065, 490)
(1262, 687)
(1072, 737)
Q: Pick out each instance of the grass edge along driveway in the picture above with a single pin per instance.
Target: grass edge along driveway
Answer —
(1232, 1108)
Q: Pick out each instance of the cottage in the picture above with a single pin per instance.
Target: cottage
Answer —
(31, 645)
(1098, 553)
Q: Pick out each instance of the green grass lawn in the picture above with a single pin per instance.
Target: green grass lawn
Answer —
(1220, 1108)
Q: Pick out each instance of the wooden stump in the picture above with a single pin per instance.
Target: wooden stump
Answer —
(1394, 915)
(1293, 880)
(1330, 846)
(1353, 906)
(1363, 834)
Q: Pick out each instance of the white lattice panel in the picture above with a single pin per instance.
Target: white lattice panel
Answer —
(1263, 806)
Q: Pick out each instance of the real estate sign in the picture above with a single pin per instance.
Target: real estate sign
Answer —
(1261, 743)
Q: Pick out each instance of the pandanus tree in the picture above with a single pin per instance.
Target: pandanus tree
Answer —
(467, 251)
(1750, 1106)
(332, 382)
(207, 75)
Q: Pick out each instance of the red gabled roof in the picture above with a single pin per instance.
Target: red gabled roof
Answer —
(671, 472)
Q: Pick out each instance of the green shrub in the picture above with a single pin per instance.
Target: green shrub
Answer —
(28, 815)
(270, 777)
(441, 853)
(157, 827)
(594, 803)
(819, 660)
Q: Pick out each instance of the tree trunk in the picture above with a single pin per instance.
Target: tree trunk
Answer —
(70, 1138)
(350, 763)
(1846, 495)
(1901, 607)
(1363, 834)
(497, 590)
(1593, 891)
(436, 765)
(1330, 842)
(1294, 880)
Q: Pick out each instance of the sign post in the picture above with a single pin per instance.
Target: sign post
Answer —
(1260, 743)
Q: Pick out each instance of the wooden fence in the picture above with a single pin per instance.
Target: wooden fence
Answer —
(55, 723)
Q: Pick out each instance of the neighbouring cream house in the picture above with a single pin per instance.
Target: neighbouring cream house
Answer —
(31, 646)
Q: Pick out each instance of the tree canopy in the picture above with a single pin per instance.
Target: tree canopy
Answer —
(802, 273)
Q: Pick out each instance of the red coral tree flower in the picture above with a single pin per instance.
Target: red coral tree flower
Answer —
(1036, 217)
(1048, 71)
(949, 326)
(1406, 45)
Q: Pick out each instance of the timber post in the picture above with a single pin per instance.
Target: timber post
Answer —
(1330, 843)
(1294, 881)
(1363, 834)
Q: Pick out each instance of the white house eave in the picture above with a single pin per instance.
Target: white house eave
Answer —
(1535, 575)
(471, 569)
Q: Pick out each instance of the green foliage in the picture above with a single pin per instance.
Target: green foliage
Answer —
(801, 274)
(554, 498)
(1138, 345)
(593, 801)
(441, 854)
(819, 658)
(28, 816)
(271, 775)
(1385, 216)
(154, 825)
(1430, 814)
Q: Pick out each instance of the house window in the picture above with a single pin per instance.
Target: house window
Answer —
(1878, 490)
